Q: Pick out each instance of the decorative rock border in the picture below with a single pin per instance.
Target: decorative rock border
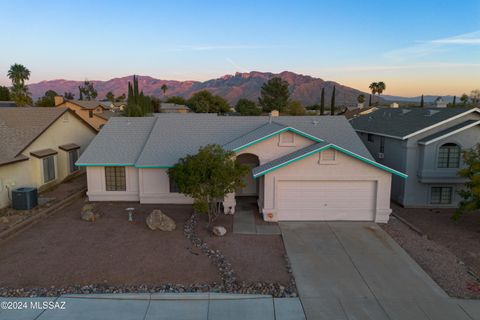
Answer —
(228, 276)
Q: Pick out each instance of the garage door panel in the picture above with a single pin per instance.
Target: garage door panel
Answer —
(326, 200)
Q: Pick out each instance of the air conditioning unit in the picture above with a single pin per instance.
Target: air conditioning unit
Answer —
(381, 155)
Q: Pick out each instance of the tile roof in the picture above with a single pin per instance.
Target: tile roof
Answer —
(257, 171)
(161, 140)
(401, 122)
(261, 132)
(173, 106)
(465, 124)
(88, 104)
(107, 114)
(19, 127)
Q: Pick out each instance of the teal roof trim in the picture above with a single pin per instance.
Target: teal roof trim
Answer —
(301, 133)
(104, 164)
(328, 146)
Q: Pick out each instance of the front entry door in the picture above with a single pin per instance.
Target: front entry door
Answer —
(251, 185)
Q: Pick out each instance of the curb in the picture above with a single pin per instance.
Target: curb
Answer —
(24, 225)
(408, 224)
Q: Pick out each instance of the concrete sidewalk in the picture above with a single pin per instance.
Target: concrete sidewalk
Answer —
(354, 270)
(187, 306)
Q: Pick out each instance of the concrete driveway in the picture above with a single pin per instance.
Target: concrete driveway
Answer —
(354, 270)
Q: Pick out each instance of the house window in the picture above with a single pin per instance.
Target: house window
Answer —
(382, 144)
(287, 138)
(370, 137)
(449, 156)
(173, 186)
(115, 179)
(72, 158)
(441, 195)
(90, 113)
(48, 169)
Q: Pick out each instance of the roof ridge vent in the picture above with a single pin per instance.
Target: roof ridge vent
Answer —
(315, 122)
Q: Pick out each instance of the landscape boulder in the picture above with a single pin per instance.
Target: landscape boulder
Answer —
(87, 213)
(4, 220)
(219, 231)
(157, 220)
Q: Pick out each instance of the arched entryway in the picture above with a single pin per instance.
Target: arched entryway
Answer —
(251, 184)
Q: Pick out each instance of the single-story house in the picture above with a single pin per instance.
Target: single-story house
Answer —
(302, 168)
(426, 144)
(39, 147)
(173, 108)
(86, 109)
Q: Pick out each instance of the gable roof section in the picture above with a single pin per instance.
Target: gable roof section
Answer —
(311, 150)
(263, 133)
(449, 131)
(159, 141)
(20, 127)
(88, 104)
(403, 123)
(119, 143)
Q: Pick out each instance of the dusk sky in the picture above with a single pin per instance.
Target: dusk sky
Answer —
(429, 47)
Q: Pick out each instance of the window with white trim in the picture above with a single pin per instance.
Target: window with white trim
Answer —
(173, 186)
(449, 156)
(48, 168)
(370, 137)
(441, 195)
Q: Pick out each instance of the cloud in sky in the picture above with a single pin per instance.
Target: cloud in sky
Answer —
(426, 48)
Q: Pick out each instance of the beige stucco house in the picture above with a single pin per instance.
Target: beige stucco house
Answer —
(88, 110)
(39, 147)
(303, 168)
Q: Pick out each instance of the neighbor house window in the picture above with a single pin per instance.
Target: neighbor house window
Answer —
(287, 138)
(48, 169)
(449, 156)
(173, 186)
(382, 144)
(441, 195)
(72, 158)
(115, 179)
(370, 137)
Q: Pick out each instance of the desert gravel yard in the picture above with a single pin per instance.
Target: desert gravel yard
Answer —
(64, 251)
(449, 252)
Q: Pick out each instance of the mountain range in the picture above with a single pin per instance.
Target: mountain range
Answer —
(303, 88)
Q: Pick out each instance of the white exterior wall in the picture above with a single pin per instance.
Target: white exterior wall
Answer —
(155, 188)
(345, 168)
(97, 188)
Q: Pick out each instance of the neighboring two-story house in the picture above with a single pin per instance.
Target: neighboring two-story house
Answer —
(427, 145)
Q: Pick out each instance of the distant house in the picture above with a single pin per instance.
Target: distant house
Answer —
(7, 104)
(350, 114)
(39, 147)
(86, 109)
(173, 108)
(427, 145)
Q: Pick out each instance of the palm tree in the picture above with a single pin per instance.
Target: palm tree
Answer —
(164, 88)
(373, 87)
(18, 74)
(381, 87)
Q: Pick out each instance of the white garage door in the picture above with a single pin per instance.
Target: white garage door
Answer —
(326, 200)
